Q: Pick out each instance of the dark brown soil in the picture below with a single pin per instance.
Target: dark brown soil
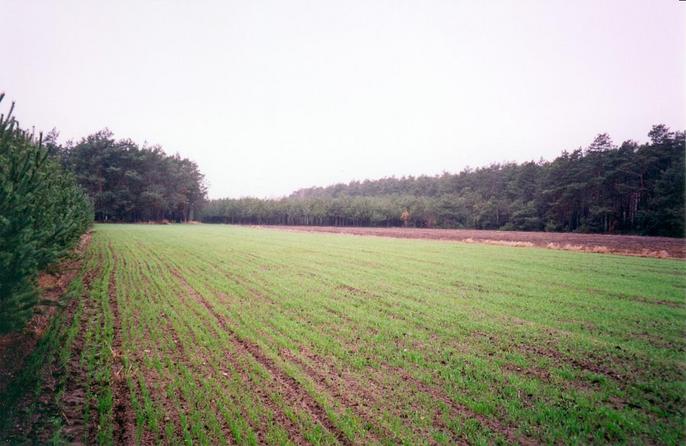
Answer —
(660, 247)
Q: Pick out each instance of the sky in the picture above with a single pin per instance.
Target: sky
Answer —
(272, 96)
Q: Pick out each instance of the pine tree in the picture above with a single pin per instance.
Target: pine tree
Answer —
(42, 214)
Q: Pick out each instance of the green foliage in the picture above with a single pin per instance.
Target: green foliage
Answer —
(128, 183)
(628, 189)
(42, 215)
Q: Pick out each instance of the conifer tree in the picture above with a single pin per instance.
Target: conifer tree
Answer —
(42, 215)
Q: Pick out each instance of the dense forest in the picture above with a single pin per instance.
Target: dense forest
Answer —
(43, 213)
(631, 188)
(128, 183)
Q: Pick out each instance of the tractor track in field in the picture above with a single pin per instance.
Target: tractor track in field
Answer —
(181, 356)
(122, 409)
(340, 386)
(74, 399)
(336, 384)
(157, 382)
(137, 357)
(289, 388)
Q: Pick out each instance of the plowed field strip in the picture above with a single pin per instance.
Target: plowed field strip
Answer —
(620, 244)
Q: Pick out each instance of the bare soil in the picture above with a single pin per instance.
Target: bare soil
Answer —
(632, 245)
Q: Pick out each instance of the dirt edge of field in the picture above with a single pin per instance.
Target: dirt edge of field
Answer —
(627, 245)
(15, 347)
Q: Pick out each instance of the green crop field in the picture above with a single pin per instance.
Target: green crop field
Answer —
(229, 335)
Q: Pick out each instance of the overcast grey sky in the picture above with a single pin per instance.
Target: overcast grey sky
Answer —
(271, 96)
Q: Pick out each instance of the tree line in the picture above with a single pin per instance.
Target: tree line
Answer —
(129, 183)
(50, 193)
(604, 188)
(43, 213)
